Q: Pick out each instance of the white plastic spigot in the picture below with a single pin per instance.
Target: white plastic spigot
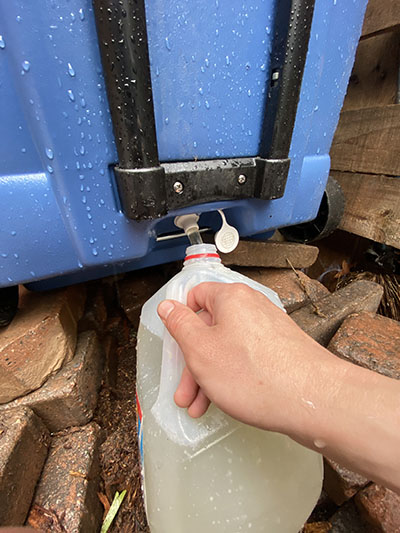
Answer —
(187, 222)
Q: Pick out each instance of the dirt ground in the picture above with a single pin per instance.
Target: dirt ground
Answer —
(116, 414)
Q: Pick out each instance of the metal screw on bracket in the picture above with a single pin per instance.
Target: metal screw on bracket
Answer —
(242, 179)
(178, 187)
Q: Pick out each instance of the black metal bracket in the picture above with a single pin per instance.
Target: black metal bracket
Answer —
(192, 183)
(149, 189)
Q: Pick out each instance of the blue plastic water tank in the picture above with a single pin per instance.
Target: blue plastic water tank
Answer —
(60, 212)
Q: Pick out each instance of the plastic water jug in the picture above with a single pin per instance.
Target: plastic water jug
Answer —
(211, 474)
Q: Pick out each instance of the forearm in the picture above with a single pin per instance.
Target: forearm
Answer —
(354, 419)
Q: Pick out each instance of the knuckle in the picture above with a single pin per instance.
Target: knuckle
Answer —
(240, 290)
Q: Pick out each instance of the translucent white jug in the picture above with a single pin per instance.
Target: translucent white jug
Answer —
(213, 474)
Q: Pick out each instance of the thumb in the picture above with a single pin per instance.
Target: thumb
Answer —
(182, 323)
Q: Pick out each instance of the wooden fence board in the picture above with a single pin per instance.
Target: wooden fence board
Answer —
(372, 206)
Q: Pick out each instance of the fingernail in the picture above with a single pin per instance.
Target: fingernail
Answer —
(165, 308)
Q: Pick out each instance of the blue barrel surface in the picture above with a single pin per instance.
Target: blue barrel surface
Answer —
(60, 214)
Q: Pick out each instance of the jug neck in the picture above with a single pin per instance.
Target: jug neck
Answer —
(201, 253)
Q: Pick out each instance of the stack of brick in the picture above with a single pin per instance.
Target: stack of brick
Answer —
(50, 375)
(51, 366)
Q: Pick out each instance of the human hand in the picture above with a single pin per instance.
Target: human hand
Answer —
(244, 354)
(252, 360)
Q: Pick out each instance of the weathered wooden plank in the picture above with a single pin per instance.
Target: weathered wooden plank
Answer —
(271, 254)
(372, 206)
(368, 140)
(373, 81)
(381, 15)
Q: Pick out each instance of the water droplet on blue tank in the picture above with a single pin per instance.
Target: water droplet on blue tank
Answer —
(26, 65)
(166, 120)
(84, 199)
(263, 67)
(227, 60)
(50, 153)
(81, 14)
(95, 252)
(80, 264)
(71, 70)
(13, 233)
(249, 92)
(16, 256)
(50, 169)
(71, 95)
(201, 90)
(23, 150)
(207, 104)
(18, 18)
(91, 240)
(104, 226)
(167, 43)
(83, 102)
(2, 42)
(82, 150)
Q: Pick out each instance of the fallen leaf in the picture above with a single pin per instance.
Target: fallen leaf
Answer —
(104, 500)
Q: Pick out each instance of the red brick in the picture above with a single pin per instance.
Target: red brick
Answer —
(23, 450)
(136, 290)
(286, 284)
(69, 398)
(380, 508)
(67, 491)
(322, 319)
(340, 483)
(271, 254)
(41, 338)
(371, 341)
(347, 520)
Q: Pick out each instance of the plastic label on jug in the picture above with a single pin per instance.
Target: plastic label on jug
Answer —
(139, 428)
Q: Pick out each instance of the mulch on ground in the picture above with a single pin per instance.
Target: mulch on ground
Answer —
(119, 461)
